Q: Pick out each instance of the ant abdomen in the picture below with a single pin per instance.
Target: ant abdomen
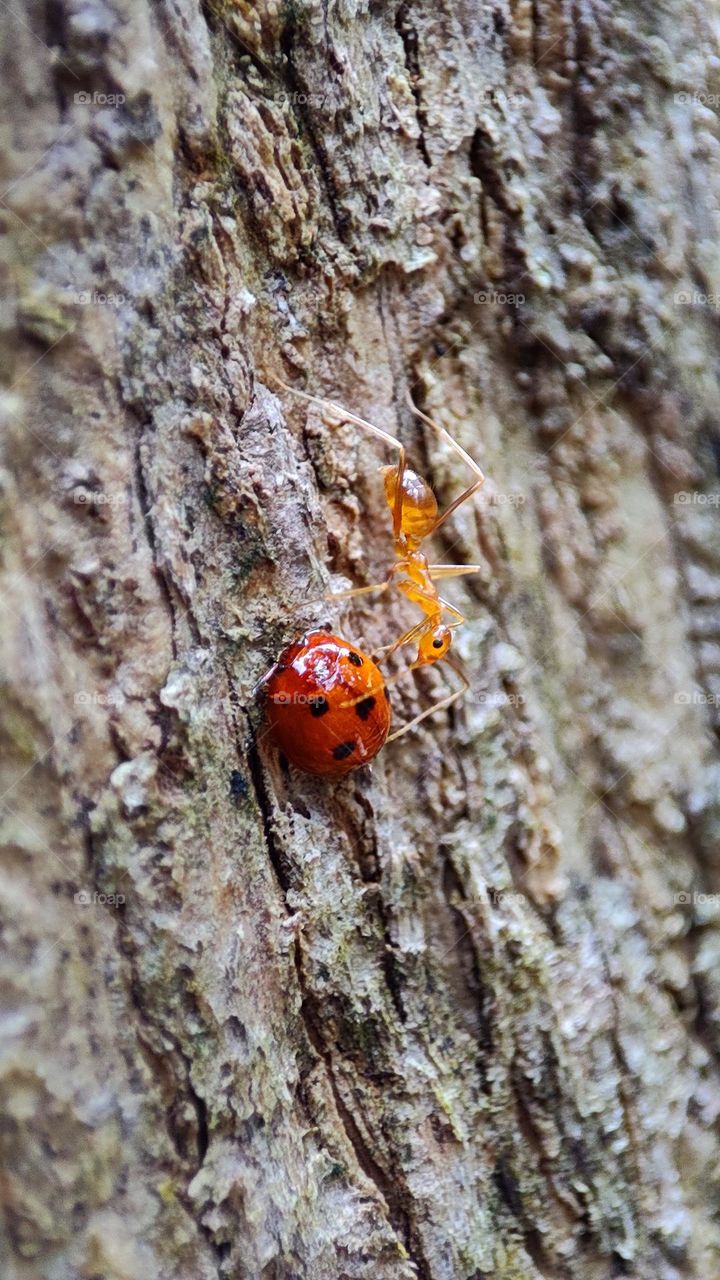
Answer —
(419, 506)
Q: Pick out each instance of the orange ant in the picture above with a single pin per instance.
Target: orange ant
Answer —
(415, 516)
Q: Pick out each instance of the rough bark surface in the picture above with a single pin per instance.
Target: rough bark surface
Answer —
(446, 1019)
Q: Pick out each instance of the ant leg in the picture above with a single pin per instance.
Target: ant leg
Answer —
(344, 415)
(450, 608)
(398, 500)
(458, 503)
(438, 571)
(353, 702)
(445, 435)
(330, 596)
(364, 591)
(407, 638)
(426, 624)
(441, 705)
(357, 591)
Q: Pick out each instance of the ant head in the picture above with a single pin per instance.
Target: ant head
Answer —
(434, 645)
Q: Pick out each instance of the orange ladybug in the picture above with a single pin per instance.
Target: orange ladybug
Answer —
(327, 705)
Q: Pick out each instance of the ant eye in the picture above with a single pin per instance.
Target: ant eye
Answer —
(441, 639)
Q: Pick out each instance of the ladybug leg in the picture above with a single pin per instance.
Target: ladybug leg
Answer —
(445, 435)
(440, 705)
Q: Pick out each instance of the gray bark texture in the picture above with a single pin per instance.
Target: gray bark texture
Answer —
(456, 1016)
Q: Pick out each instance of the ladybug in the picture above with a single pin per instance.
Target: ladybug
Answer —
(326, 705)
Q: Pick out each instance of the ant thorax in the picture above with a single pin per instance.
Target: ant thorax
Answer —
(416, 584)
(419, 506)
(416, 568)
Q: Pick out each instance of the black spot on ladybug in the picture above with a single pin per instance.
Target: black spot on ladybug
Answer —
(363, 709)
(355, 659)
(343, 750)
(437, 644)
(238, 785)
(318, 706)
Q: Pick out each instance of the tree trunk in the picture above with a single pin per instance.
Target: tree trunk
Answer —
(455, 1016)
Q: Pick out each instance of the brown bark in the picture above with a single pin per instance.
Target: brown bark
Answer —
(455, 1017)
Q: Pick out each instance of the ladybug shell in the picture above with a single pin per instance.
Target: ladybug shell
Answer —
(326, 705)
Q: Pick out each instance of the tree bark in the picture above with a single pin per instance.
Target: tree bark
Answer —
(456, 1016)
